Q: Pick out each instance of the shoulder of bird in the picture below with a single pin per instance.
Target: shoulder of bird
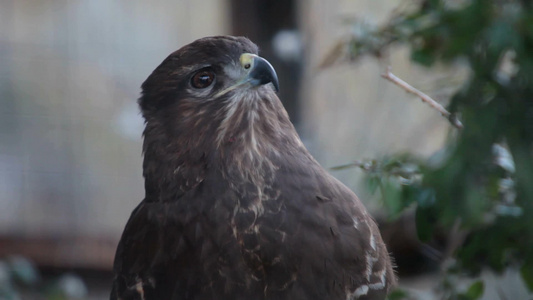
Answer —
(235, 206)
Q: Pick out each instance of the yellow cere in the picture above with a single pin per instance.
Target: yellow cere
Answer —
(247, 59)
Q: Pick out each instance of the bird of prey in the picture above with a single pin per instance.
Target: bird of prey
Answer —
(235, 206)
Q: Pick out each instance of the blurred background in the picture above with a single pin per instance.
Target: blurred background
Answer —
(70, 129)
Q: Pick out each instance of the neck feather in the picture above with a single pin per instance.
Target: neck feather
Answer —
(243, 142)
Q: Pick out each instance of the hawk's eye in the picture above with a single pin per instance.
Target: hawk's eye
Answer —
(202, 79)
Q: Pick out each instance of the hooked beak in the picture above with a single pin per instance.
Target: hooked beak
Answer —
(260, 70)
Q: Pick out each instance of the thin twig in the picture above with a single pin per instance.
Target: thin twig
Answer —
(366, 166)
(425, 98)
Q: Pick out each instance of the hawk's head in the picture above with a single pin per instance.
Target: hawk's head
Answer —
(204, 81)
(215, 95)
(205, 70)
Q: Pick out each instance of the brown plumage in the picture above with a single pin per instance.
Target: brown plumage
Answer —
(235, 206)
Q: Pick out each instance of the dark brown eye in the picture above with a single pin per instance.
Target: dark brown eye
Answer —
(202, 79)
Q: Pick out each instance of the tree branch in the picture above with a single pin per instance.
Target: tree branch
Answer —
(425, 98)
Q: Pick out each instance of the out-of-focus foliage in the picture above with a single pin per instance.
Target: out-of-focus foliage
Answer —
(18, 277)
(483, 179)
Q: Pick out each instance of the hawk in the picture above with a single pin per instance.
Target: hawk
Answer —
(235, 206)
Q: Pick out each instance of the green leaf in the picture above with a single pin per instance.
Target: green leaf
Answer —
(425, 197)
(527, 274)
(398, 294)
(475, 291)
(423, 57)
(424, 223)
(474, 207)
(373, 183)
(392, 197)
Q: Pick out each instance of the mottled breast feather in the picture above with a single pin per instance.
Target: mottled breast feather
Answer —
(235, 206)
